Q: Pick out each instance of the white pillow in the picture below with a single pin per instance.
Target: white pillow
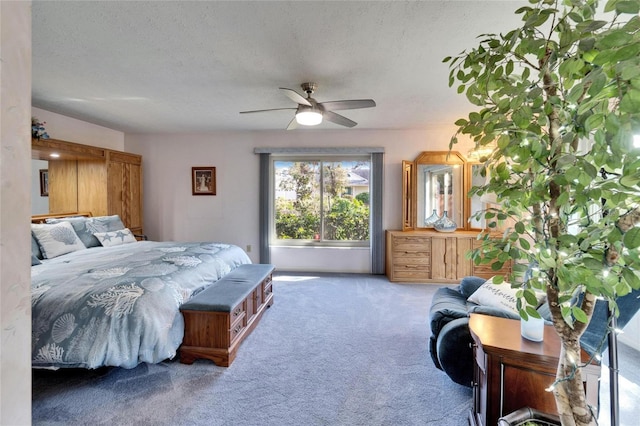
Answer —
(495, 295)
(115, 238)
(56, 239)
(499, 296)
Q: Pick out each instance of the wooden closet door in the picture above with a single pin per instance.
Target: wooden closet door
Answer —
(92, 183)
(124, 188)
(63, 186)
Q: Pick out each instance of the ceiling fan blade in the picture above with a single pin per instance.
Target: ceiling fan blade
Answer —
(349, 104)
(263, 110)
(295, 96)
(338, 119)
(293, 124)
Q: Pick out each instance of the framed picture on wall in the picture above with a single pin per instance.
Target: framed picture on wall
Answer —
(44, 182)
(203, 180)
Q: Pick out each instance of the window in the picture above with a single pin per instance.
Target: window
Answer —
(321, 200)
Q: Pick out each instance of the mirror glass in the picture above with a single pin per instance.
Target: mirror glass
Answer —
(439, 190)
(39, 201)
(477, 203)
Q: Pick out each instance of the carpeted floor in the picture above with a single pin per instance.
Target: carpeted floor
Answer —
(332, 350)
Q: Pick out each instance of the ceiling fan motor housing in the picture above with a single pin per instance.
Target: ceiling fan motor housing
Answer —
(309, 88)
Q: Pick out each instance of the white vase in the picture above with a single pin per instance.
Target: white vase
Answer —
(532, 329)
(444, 224)
(431, 220)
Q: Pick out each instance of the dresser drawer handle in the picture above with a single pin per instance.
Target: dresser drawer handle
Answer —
(237, 329)
(237, 312)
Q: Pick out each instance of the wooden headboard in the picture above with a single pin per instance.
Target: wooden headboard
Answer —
(41, 218)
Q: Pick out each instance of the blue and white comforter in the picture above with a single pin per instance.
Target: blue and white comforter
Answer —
(119, 306)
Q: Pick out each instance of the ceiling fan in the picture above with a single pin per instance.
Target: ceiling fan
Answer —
(311, 113)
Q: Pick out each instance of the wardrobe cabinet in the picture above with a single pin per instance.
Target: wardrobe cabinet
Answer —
(90, 179)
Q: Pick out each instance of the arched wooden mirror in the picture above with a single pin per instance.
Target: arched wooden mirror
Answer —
(438, 184)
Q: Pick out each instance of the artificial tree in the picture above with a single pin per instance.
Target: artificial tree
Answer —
(557, 101)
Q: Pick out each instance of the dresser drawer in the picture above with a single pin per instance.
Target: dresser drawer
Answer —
(411, 260)
(238, 320)
(411, 239)
(411, 274)
(404, 245)
(238, 313)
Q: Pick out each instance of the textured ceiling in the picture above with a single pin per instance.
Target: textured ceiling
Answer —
(193, 66)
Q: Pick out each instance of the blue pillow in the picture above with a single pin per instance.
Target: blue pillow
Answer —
(35, 261)
(35, 248)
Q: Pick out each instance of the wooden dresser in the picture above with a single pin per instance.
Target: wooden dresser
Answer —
(511, 372)
(433, 257)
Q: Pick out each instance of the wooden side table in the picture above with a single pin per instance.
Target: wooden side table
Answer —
(511, 372)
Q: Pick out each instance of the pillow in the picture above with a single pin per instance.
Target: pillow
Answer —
(35, 261)
(495, 295)
(115, 238)
(498, 296)
(35, 248)
(85, 227)
(56, 239)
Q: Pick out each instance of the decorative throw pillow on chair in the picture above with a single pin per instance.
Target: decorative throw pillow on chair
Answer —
(499, 296)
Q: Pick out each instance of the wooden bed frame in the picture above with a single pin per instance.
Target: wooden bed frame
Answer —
(42, 218)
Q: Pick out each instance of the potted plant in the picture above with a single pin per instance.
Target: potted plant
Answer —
(557, 101)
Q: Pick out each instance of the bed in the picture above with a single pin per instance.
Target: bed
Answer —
(115, 304)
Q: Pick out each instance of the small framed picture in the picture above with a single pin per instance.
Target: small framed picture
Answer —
(203, 180)
(44, 182)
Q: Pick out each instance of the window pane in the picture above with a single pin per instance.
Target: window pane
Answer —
(297, 199)
(345, 201)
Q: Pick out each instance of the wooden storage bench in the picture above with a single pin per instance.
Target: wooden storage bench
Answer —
(218, 319)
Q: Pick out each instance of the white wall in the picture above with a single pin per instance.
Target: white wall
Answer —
(71, 130)
(172, 213)
(15, 208)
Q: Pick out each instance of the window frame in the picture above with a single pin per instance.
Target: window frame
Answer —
(321, 158)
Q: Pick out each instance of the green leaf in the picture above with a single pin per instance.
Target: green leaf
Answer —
(496, 266)
(579, 315)
(594, 122)
(563, 198)
(631, 238)
(530, 297)
(614, 39)
(630, 181)
(628, 7)
(626, 52)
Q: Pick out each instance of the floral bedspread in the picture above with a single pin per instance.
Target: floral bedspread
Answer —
(119, 306)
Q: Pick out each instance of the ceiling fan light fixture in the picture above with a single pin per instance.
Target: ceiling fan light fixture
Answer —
(309, 118)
